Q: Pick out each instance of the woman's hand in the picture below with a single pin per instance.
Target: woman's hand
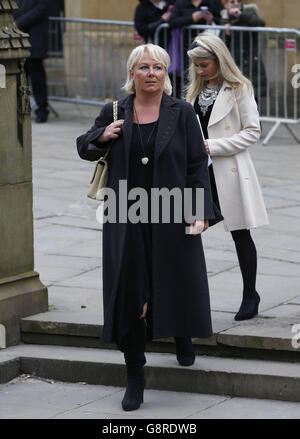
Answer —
(112, 131)
(198, 227)
(197, 16)
(209, 18)
(144, 310)
(206, 146)
(166, 16)
(227, 31)
(234, 12)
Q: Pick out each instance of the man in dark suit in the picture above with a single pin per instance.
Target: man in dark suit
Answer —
(32, 18)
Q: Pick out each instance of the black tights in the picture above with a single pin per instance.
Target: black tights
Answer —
(247, 257)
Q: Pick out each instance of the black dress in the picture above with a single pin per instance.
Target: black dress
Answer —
(135, 284)
(204, 119)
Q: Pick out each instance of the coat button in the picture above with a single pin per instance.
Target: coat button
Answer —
(227, 127)
(233, 169)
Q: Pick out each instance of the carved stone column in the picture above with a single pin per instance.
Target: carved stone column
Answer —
(21, 291)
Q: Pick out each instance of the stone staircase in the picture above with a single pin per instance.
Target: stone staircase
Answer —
(234, 362)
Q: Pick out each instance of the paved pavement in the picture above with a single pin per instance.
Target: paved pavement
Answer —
(28, 397)
(68, 258)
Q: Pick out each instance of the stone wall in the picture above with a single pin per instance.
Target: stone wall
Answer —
(279, 13)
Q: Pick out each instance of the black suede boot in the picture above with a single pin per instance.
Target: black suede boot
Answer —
(134, 394)
(246, 253)
(248, 308)
(134, 348)
(185, 351)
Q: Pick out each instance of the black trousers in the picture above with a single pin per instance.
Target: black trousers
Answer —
(35, 71)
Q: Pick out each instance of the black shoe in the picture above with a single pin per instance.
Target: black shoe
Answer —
(134, 395)
(185, 351)
(41, 119)
(248, 308)
(41, 116)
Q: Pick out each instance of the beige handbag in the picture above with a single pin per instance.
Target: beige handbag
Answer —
(99, 180)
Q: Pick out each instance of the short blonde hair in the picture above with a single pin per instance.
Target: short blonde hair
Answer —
(157, 53)
(208, 45)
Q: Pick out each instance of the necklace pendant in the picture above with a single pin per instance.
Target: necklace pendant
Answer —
(145, 160)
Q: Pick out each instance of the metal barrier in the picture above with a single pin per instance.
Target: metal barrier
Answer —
(87, 62)
(265, 55)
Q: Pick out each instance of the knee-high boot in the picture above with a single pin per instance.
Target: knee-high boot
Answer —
(246, 252)
(134, 354)
(185, 351)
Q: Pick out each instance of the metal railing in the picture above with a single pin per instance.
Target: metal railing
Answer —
(265, 55)
(87, 59)
(87, 62)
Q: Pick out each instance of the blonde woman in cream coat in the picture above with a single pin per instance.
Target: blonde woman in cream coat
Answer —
(224, 100)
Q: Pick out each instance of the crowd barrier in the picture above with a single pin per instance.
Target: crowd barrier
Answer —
(87, 63)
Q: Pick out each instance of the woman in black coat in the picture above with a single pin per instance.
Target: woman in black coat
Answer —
(154, 272)
(151, 14)
(186, 13)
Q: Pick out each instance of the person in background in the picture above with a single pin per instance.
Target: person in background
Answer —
(149, 14)
(185, 13)
(224, 100)
(32, 18)
(245, 50)
(154, 273)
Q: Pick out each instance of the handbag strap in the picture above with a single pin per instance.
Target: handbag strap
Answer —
(115, 111)
(115, 118)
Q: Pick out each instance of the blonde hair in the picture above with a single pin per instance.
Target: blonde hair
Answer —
(208, 45)
(157, 53)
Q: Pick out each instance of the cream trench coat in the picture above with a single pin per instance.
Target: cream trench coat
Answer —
(234, 126)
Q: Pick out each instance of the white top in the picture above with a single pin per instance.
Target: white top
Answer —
(159, 5)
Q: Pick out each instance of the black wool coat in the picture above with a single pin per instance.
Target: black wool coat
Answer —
(182, 14)
(147, 18)
(180, 296)
(32, 18)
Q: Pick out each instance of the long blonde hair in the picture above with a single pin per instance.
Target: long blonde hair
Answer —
(157, 53)
(208, 45)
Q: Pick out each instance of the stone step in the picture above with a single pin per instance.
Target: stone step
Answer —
(209, 375)
(248, 340)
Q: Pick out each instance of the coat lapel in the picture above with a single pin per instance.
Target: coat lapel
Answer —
(168, 116)
(126, 106)
(223, 104)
